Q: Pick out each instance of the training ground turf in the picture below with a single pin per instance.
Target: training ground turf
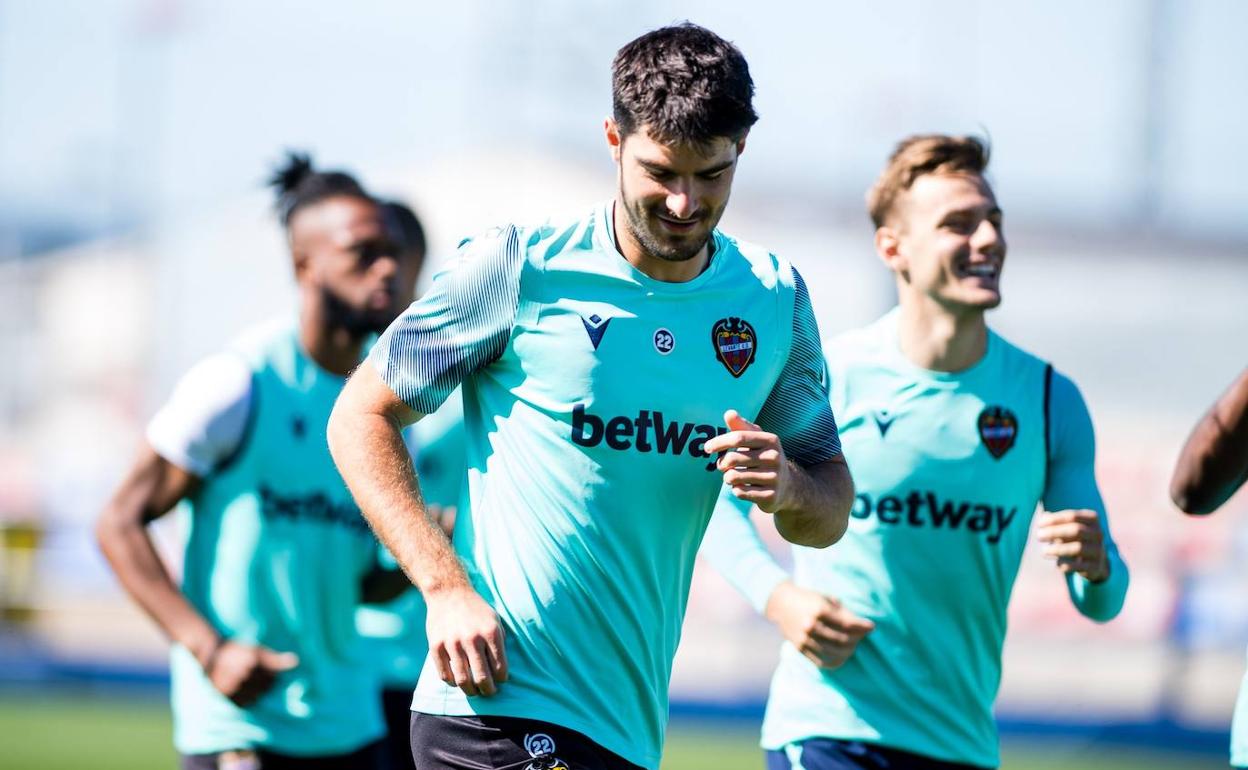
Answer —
(76, 731)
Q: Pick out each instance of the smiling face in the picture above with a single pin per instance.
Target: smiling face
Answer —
(672, 196)
(944, 241)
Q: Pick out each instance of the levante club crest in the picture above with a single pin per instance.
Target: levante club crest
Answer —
(735, 344)
(998, 427)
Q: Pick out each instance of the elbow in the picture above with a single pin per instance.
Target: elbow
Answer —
(336, 432)
(1190, 499)
(111, 528)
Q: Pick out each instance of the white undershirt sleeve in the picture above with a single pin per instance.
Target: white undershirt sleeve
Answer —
(203, 422)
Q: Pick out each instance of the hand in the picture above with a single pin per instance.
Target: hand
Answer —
(817, 625)
(466, 641)
(444, 517)
(244, 672)
(1075, 540)
(753, 463)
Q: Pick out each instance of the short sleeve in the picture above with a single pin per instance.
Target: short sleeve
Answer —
(204, 421)
(459, 326)
(798, 409)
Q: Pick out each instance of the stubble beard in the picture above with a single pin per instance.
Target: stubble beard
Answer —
(636, 220)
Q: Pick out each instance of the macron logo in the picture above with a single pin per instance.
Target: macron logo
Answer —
(595, 327)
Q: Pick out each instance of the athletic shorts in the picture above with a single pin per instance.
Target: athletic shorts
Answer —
(832, 754)
(371, 757)
(505, 743)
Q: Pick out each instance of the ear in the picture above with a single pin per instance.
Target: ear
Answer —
(299, 258)
(614, 140)
(741, 142)
(888, 247)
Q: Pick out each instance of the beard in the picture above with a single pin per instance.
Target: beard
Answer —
(637, 218)
(358, 323)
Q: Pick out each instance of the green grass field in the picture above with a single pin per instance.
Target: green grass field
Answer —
(73, 732)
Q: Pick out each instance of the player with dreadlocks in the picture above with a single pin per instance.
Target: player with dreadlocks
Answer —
(266, 659)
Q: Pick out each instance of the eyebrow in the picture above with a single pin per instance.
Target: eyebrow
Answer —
(649, 166)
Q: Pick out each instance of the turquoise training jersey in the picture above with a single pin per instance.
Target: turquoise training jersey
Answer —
(396, 629)
(589, 390)
(275, 556)
(948, 468)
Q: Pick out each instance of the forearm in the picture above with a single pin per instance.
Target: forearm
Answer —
(370, 454)
(822, 496)
(126, 544)
(1101, 601)
(733, 548)
(1214, 461)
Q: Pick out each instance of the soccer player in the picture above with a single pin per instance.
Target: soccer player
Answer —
(597, 357)
(954, 435)
(398, 627)
(266, 663)
(1212, 465)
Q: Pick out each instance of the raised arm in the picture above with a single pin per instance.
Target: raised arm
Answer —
(1214, 461)
(789, 464)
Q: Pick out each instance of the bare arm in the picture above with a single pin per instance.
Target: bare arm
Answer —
(365, 440)
(1214, 461)
(150, 490)
(811, 504)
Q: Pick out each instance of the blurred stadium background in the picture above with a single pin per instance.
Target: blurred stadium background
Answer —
(135, 238)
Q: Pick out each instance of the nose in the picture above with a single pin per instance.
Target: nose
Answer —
(988, 238)
(680, 201)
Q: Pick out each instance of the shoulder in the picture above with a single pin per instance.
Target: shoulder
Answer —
(535, 244)
(257, 344)
(1012, 356)
(771, 270)
(864, 342)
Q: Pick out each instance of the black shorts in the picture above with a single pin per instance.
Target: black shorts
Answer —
(833, 754)
(505, 743)
(371, 757)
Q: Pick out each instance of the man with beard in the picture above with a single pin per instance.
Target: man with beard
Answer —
(598, 358)
(954, 435)
(266, 668)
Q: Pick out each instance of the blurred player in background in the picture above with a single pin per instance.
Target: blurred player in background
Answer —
(598, 358)
(954, 435)
(397, 628)
(267, 666)
(1212, 465)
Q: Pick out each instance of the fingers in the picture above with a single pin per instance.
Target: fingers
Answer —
(744, 439)
(479, 669)
(497, 651)
(735, 421)
(278, 661)
(461, 670)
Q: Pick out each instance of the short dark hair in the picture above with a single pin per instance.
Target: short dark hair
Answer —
(923, 154)
(684, 84)
(298, 184)
(410, 231)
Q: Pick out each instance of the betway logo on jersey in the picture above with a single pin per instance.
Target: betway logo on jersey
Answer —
(925, 509)
(649, 431)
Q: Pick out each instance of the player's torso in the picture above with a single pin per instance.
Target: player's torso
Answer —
(948, 470)
(628, 377)
(266, 528)
(275, 556)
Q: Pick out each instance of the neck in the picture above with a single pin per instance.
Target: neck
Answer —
(333, 348)
(934, 338)
(659, 269)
